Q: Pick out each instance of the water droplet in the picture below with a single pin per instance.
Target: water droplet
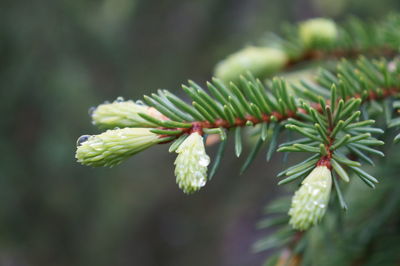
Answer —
(199, 180)
(119, 99)
(106, 102)
(82, 139)
(204, 160)
(91, 110)
(140, 102)
(315, 192)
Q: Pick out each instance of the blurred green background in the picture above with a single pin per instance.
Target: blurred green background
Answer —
(57, 59)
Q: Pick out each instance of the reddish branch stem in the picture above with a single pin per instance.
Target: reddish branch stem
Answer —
(198, 126)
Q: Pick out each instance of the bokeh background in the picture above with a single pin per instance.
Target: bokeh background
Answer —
(60, 57)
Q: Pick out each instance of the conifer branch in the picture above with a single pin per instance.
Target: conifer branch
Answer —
(330, 116)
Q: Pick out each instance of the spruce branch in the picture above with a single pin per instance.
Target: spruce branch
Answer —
(232, 107)
(329, 115)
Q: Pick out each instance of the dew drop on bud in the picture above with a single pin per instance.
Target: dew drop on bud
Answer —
(199, 181)
(204, 160)
(119, 99)
(140, 102)
(91, 110)
(82, 139)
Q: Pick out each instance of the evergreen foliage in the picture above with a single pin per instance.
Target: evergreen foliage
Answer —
(338, 117)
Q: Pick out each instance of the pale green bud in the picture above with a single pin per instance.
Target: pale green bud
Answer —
(310, 201)
(191, 164)
(121, 114)
(113, 146)
(260, 61)
(317, 32)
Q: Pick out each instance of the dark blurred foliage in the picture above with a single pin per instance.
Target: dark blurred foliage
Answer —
(58, 58)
